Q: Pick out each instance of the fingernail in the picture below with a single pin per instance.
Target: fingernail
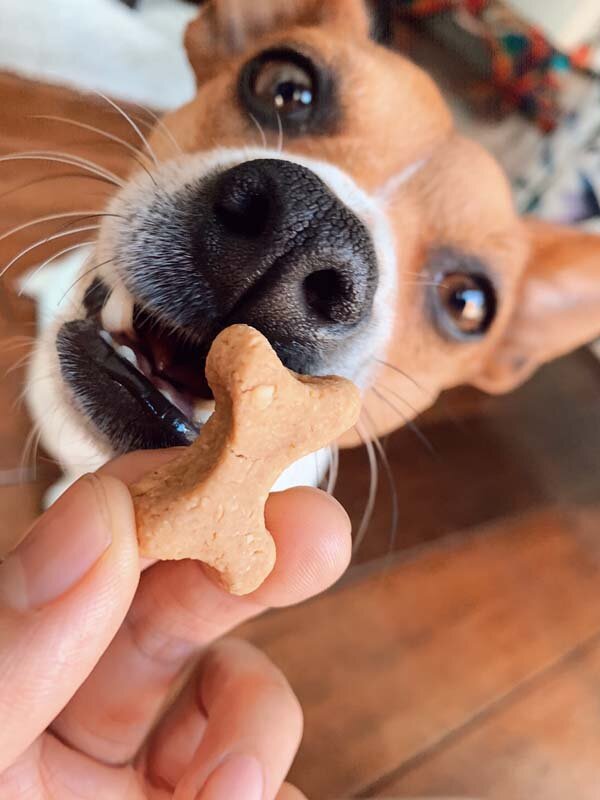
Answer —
(59, 550)
(239, 777)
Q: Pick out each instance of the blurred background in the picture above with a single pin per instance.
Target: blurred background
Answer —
(461, 654)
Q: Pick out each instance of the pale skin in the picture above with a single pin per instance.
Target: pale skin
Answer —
(94, 646)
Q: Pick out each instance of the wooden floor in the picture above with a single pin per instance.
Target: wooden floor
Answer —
(461, 658)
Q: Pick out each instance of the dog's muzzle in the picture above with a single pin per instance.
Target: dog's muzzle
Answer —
(265, 243)
(270, 246)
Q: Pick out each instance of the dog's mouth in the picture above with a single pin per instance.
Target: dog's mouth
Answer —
(172, 361)
(141, 383)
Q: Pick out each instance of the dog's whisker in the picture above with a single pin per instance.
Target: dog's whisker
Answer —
(280, 133)
(77, 215)
(15, 343)
(318, 481)
(408, 377)
(48, 261)
(70, 159)
(409, 423)
(395, 515)
(161, 126)
(18, 364)
(13, 348)
(35, 454)
(260, 129)
(334, 464)
(29, 456)
(65, 158)
(135, 151)
(21, 397)
(156, 123)
(84, 219)
(419, 275)
(95, 268)
(15, 477)
(26, 323)
(435, 284)
(24, 462)
(399, 397)
(373, 483)
(133, 124)
(30, 248)
(45, 178)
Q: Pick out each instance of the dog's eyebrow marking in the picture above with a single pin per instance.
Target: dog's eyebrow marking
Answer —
(391, 186)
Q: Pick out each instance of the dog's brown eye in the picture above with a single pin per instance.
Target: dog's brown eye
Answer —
(283, 87)
(466, 304)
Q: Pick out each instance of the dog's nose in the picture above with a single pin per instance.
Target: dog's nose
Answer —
(242, 200)
(285, 252)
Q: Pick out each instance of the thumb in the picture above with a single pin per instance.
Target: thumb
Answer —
(64, 592)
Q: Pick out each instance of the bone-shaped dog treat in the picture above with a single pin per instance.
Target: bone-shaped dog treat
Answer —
(208, 504)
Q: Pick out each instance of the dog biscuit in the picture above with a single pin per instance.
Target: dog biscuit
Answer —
(208, 503)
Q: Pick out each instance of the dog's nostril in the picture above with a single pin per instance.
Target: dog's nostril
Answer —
(332, 295)
(242, 206)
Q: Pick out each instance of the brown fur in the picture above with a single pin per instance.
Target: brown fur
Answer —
(394, 116)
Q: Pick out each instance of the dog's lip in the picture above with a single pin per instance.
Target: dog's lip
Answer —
(115, 395)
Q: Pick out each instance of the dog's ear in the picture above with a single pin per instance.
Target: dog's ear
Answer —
(225, 28)
(557, 307)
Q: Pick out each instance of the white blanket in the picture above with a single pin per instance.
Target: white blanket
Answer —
(102, 45)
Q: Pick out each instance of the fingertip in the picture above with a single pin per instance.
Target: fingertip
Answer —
(310, 505)
(116, 506)
(312, 532)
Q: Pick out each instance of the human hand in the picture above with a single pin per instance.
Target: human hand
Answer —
(114, 679)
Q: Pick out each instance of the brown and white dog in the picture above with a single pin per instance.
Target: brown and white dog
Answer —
(316, 189)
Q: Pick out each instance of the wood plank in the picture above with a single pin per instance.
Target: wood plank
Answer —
(544, 745)
(389, 665)
(495, 456)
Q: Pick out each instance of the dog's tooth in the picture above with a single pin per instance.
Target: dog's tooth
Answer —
(168, 394)
(127, 353)
(203, 409)
(117, 314)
